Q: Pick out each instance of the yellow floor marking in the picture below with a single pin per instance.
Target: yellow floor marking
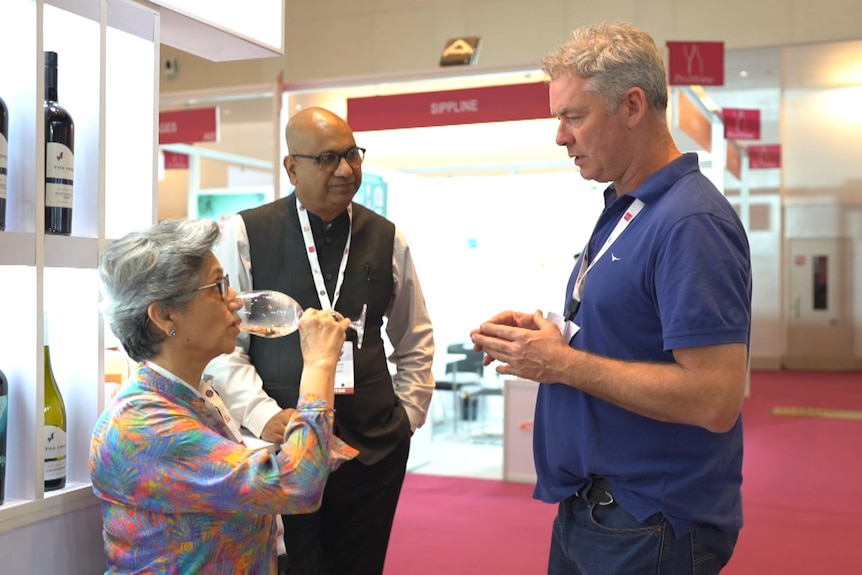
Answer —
(817, 412)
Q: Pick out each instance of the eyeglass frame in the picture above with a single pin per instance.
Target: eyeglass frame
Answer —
(338, 158)
(223, 286)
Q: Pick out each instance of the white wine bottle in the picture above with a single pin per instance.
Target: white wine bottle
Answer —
(4, 161)
(59, 156)
(55, 426)
(4, 402)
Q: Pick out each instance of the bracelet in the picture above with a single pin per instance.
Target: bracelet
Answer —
(316, 409)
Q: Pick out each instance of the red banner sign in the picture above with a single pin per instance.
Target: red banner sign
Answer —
(174, 161)
(765, 156)
(695, 63)
(189, 126)
(471, 106)
(741, 124)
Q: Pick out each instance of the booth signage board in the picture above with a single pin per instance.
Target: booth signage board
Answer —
(764, 156)
(373, 193)
(692, 121)
(700, 63)
(189, 126)
(450, 107)
(741, 124)
(734, 161)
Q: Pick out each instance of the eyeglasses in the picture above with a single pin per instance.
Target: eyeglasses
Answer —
(331, 160)
(223, 286)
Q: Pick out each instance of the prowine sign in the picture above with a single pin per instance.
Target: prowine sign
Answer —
(695, 63)
(741, 124)
(189, 126)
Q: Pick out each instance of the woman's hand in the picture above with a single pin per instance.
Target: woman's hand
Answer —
(322, 335)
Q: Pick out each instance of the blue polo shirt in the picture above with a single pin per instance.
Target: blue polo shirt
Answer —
(679, 276)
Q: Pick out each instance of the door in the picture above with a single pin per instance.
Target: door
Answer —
(820, 329)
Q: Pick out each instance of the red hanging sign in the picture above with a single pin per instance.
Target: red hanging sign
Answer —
(765, 156)
(695, 63)
(741, 124)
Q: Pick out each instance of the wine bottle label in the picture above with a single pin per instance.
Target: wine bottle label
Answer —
(55, 453)
(4, 162)
(3, 403)
(59, 175)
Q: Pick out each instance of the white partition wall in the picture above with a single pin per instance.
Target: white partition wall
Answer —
(108, 52)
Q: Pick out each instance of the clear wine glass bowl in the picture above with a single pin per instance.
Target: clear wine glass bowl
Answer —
(270, 313)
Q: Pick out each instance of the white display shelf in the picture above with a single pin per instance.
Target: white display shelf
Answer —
(108, 80)
(217, 30)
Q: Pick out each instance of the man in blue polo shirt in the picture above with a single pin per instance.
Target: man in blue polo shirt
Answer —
(638, 428)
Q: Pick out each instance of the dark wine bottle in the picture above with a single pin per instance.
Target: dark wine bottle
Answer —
(4, 402)
(4, 162)
(55, 426)
(59, 156)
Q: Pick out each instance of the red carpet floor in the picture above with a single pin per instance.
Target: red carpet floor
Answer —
(802, 497)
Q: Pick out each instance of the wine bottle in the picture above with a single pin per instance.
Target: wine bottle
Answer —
(4, 402)
(55, 426)
(4, 162)
(59, 156)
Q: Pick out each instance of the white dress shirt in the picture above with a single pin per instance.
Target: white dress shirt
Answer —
(408, 328)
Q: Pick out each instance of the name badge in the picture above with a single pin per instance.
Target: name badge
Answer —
(344, 370)
(568, 328)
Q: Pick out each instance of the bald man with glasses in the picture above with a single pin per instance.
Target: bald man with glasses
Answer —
(327, 252)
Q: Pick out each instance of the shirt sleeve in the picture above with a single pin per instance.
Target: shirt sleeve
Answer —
(703, 288)
(235, 378)
(157, 457)
(409, 330)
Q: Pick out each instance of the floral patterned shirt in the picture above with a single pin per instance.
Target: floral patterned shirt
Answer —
(180, 497)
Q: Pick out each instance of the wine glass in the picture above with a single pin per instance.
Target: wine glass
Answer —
(270, 313)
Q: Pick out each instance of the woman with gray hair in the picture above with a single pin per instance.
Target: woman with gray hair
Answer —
(180, 491)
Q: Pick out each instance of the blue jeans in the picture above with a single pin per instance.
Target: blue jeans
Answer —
(590, 539)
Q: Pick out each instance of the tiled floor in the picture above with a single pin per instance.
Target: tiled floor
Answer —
(476, 450)
(460, 458)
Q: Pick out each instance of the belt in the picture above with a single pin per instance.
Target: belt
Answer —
(596, 492)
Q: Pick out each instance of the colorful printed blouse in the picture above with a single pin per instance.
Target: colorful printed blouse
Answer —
(180, 497)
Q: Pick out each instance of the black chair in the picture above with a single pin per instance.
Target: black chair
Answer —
(463, 378)
(473, 396)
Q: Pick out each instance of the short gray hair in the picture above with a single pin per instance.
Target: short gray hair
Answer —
(613, 57)
(163, 264)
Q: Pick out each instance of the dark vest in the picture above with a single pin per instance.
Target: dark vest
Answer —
(371, 419)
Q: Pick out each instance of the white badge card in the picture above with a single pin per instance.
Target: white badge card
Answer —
(568, 328)
(344, 370)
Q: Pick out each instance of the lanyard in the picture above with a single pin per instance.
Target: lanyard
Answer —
(219, 409)
(211, 399)
(311, 252)
(624, 221)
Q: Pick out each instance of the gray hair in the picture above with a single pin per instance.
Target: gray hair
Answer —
(163, 264)
(613, 57)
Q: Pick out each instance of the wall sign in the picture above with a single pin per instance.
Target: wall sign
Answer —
(189, 126)
(175, 161)
(451, 107)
